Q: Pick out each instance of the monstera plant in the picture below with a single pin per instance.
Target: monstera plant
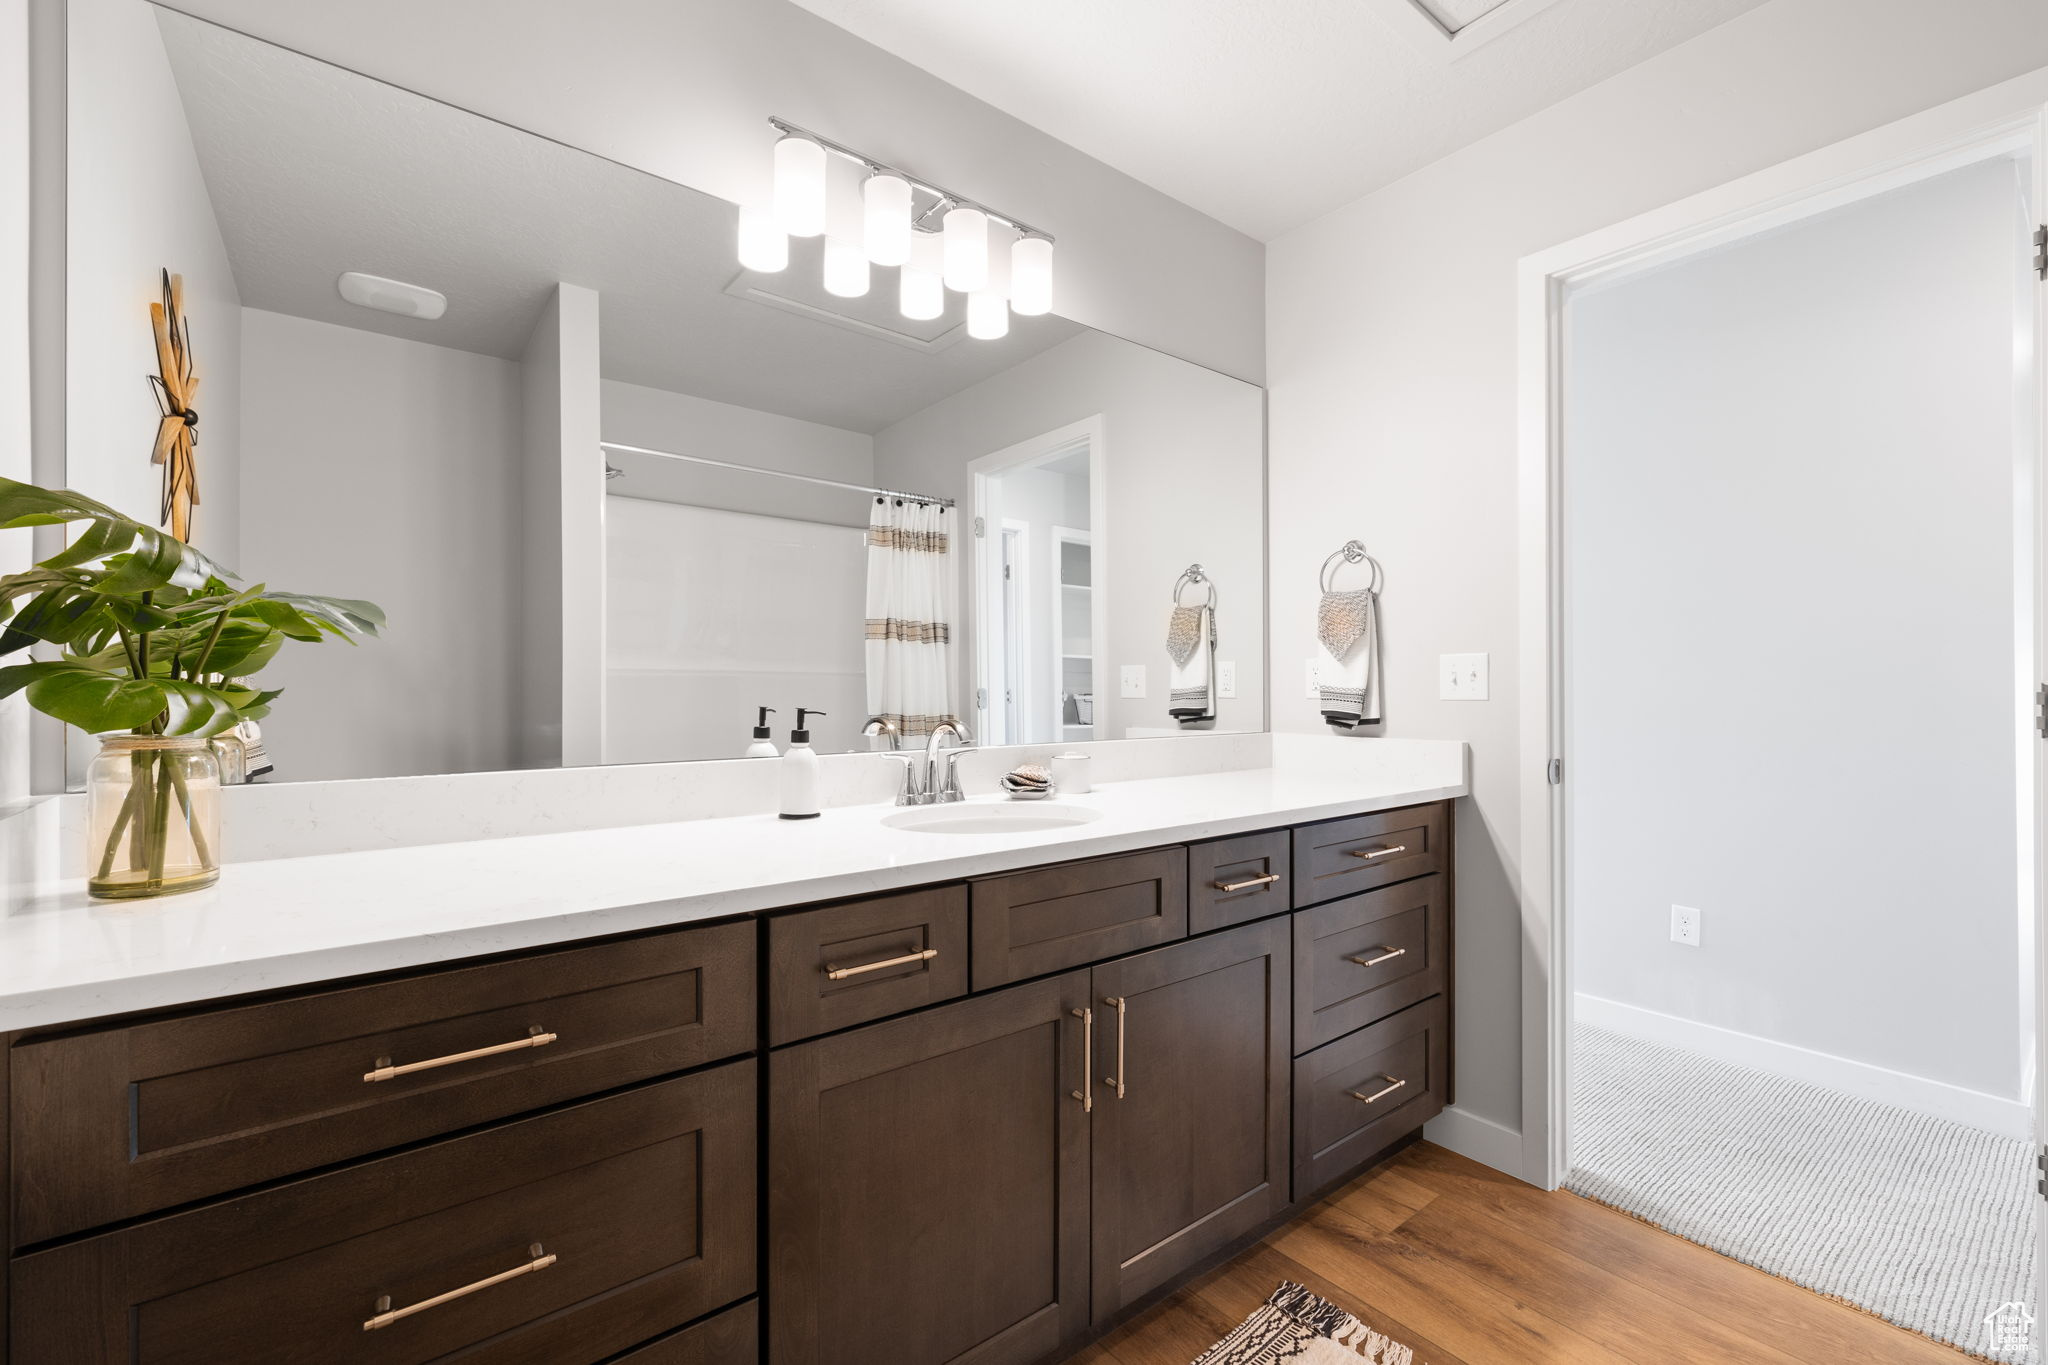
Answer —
(145, 636)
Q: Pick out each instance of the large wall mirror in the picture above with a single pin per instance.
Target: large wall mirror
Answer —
(622, 493)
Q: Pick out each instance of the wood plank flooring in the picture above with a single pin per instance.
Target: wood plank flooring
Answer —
(1471, 1267)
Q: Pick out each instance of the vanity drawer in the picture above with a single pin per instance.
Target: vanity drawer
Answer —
(115, 1122)
(848, 964)
(731, 1338)
(1344, 857)
(644, 1200)
(1029, 923)
(1231, 881)
(1360, 959)
(1338, 1122)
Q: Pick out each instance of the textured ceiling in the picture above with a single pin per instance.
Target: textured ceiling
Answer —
(1267, 113)
(313, 170)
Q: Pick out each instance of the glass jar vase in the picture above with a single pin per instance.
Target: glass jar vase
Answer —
(153, 803)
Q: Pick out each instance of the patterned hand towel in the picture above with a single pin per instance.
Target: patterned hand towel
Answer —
(1295, 1327)
(1348, 671)
(1191, 645)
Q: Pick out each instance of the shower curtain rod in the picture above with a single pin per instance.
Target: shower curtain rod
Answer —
(778, 473)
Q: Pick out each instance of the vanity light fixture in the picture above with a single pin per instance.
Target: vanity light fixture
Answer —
(937, 239)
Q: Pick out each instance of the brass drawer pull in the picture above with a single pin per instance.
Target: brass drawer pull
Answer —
(1118, 1079)
(385, 1071)
(386, 1314)
(1248, 883)
(1378, 1094)
(841, 973)
(1386, 954)
(1086, 1094)
(1371, 853)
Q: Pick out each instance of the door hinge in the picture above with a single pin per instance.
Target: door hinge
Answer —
(2041, 252)
(2041, 1165)
(981, 699)
(2041, 710)
(1557, 772)
(980, 528)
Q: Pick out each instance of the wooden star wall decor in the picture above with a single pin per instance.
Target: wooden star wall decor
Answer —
(177, 432)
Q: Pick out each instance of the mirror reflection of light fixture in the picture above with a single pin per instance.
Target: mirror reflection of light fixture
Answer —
(939, 240)
(1031, 276)
(885, 229)
(800, 186)
(846, 269)
(764, 246)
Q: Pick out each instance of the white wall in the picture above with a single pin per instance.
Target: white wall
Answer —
(1180, 449)
(711, 614)
(684, 91)
(1041, 499)
(386, 469)
(660, 420)
(1790, 589)
(137, 206)
(1391, 368)
(15, 553)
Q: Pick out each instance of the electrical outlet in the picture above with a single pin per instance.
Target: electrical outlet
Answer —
(1133, 680)
(1685, 925)
(1226, 679)
(1315, 686)
(1461, 677)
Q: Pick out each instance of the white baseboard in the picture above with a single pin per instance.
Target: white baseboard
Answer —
(1993, 1113)
(1483, 1140)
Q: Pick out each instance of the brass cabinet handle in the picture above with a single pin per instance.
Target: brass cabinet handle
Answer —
(1386, 954)
(1118, 1079)
(386, 1314)
(1086, 1094)
(1379, 1094)
(841, 973)
(1371, 853)
(1247, 883)
(385, 1071)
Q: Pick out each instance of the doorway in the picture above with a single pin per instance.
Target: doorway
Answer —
(1783, 636)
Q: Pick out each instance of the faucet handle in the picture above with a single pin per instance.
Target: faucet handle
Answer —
(912, 792)
(951, 791)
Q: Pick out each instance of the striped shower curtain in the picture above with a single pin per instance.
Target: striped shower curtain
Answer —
(910, 614)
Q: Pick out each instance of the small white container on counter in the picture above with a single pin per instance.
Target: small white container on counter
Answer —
(1070, 774)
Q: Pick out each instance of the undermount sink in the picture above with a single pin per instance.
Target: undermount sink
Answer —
(977, 817)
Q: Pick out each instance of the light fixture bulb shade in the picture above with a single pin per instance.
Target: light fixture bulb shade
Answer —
(923, 294)
(885, 229)
(988, 315)
(846, 269)
(1030, 276)
(764, 246)
(800, 186)
(966, 235)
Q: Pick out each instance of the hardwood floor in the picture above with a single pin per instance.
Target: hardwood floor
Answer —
(1471, 1267)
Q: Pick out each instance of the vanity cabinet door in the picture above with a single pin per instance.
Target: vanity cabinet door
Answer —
(928, 1185)
(1191, 1105)
(1027, 924)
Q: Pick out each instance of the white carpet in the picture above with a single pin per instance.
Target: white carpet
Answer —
(1921, 1221)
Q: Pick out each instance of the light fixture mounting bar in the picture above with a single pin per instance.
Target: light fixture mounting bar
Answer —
(946, 196)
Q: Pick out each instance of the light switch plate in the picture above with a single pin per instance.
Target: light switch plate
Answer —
(1461, 677)
(1226, 679)
(1133, 678)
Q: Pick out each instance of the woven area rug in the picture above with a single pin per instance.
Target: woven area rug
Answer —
(1923, 1222)
(1299, 1328)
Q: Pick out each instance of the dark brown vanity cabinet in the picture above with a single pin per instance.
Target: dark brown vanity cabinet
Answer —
(928, 1184)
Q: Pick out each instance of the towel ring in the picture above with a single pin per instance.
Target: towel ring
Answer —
(1352, 552)
(1192, 576)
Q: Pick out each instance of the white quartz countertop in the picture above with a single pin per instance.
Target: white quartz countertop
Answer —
(293, 921)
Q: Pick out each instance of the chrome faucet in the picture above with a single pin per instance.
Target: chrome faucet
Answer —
(949, 790)
(877, 725)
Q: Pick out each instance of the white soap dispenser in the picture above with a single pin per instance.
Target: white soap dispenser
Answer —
(763, 746)
(800, 772)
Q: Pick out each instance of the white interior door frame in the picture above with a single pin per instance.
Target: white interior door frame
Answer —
(983, 473)
(2009, 117)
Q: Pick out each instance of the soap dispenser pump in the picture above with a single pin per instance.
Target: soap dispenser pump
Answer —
(800, 771)
(763, 746)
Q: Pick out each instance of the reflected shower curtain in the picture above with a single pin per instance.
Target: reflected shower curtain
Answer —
(910, 615)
